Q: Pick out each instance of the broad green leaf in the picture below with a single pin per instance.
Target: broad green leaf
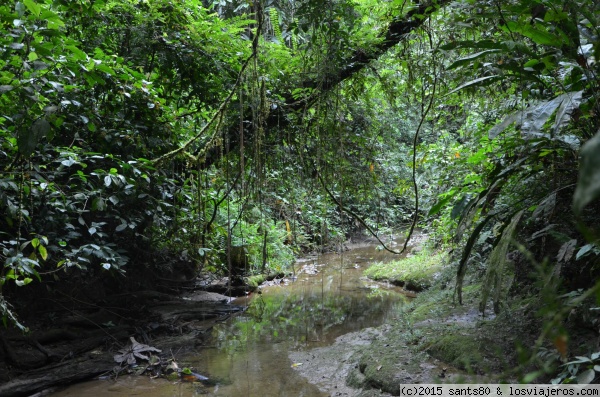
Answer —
(33, 7)
(439, 205)
(53, 19)
(106, 69)
(538, 35)
(20, 9)
(588, 184)
(531, 63)
(531, 376)
(542, 37)
(476, 82)
(121, 227)
(107, 180)
(565, 253)
(68, 162)
(535, 117)
(460, 206)
(469, 58)
(79, 55)
(98, 204)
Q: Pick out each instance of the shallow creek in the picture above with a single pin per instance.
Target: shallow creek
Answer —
(249, 353)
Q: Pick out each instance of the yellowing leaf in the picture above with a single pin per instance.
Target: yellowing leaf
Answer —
(295, 365)
(43, 252)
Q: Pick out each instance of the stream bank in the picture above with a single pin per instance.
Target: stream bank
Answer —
(312, 334)
(429, 340)
(327, 297)
(433, 339)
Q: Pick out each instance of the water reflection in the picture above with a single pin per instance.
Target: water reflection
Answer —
(248, 354)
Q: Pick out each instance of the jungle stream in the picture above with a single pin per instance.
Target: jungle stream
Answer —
(250, 353)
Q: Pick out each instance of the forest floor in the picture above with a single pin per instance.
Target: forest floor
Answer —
(87, 340)
(431, 340)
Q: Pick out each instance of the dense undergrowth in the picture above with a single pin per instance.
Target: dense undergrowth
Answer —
(144, 141)
(487, 347)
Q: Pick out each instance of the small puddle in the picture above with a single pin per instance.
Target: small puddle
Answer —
(249, 353)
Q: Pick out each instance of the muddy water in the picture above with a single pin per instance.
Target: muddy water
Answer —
(248, 355)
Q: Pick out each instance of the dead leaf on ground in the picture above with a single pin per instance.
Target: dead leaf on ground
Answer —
(134, 350)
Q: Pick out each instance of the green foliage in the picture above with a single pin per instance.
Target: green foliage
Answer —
(91, 90)
(496, 274)
(581, 370)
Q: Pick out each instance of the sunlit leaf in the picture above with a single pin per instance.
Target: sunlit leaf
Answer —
(79, 55)
(25, 281)
(68, 162)
(570, 102)
(33, 7)
(584, 250)
(43, 252)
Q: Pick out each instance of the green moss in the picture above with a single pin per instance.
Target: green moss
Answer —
(462, 350)
(254, 281)
(415, 273)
